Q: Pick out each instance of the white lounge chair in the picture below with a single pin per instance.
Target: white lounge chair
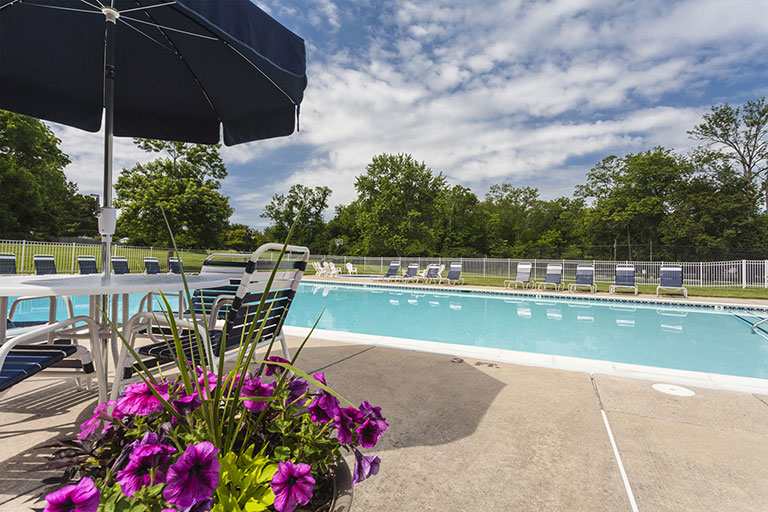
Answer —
(625, 279)
(671, 279)
(585, 276)
(553, 277)
(351, 269)
(522, 278)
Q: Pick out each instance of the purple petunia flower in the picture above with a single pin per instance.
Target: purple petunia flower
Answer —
(369, 433)
(296, 388)
(345, 420)
(99, 414)
(374, 413)
(254, 387)
(83, 497)
(194, 476)
(149, 454)
(320, 376)
(186, 404)
(365, 467)
(207, 382)
(273, 369)
(292, 485)
(139, 399)
(324, 407)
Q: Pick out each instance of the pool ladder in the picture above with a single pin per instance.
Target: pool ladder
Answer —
(754, 325)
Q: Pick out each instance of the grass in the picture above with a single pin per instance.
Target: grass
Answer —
(693, 291)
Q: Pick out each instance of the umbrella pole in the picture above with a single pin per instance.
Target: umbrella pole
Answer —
(107, 216)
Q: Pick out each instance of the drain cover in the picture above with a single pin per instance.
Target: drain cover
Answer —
(671, 389)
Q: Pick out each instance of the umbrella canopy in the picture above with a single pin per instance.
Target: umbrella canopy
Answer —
(182, 70)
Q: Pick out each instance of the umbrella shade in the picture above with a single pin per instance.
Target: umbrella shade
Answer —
(183, 68)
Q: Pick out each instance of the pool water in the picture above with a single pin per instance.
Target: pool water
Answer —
(683, 338)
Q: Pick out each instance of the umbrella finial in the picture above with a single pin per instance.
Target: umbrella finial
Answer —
(111, 14)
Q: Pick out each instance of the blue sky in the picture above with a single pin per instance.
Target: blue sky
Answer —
(526, 92)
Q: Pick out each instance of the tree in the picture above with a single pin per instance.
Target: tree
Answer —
(38, 200)
(284, 209)
(631, 195)
(465, 224)
(344, 226)
(240, 237)
(185, 186)
(399, 206)
(743, 133)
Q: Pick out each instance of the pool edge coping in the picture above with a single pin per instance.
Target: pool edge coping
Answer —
(568, 363)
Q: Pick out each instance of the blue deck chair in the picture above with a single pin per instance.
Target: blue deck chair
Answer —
(432, 273)
(240, 312)
(44, 264)
(120, 265)
(7, 264)
(87, 264)
(671, 279)
(553, 277)
(585, 276)
(454, 275)
(394, 268)
(411, 273)
(174, 265)
(21, 357)
(625, 279)
(151, 265)
(522, 278)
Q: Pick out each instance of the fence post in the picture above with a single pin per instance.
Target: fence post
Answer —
(484, 260)
(765, 274)
(534, 269)
(73, 258)
(743, 273)
(701, 274)
(23, 248)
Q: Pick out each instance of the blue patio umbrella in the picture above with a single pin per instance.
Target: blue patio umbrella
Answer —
(183, 70)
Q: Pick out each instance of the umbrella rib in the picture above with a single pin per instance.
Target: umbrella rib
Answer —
(257, 68)
(171, 29)
(99, 7)
(148, 36)
(144, 8)
(60, 8)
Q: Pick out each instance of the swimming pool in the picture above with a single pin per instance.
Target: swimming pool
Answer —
(638, 334)
(647, 334)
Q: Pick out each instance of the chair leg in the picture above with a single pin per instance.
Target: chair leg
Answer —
(284, 344)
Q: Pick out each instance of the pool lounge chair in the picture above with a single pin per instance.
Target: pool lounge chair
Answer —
(350, 268)
(44, 265)
(240, 313)
(585, 276)
(330, 269)
(87, 265)
(671, 279)
(553, 277)
(625, 279)
(522, 278)
(120, 265)
(411, 273)
(151, 265)
(394, 267)
(7, 264)
(454, 275)
(430, 274)
(174, 266)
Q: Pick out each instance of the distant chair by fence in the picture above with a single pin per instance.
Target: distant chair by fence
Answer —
(87, 264)
(553, 277)
(585, 276)
(7, 264)
(671, 279)
(44, 264)
(151, 265)
(625, 279)
(522, 278)
(175, 265)
(120, 265)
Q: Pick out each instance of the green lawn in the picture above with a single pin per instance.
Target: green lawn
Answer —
(693, 291)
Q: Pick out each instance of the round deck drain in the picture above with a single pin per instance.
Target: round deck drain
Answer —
(671, 389)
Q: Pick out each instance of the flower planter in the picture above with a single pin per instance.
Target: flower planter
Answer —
(342, 488)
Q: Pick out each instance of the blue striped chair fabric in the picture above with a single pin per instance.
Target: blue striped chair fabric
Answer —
(44, 265)
(120, 265)
(152, 265)
(7, 264)
(87, 265)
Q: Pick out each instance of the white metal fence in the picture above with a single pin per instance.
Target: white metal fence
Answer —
(66, 254)
(737, 273)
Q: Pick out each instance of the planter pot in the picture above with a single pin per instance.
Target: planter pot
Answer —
(342, 488)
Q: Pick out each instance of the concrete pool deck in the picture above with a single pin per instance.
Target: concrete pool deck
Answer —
(468, 435)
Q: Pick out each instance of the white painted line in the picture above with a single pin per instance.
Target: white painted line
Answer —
(631, 496)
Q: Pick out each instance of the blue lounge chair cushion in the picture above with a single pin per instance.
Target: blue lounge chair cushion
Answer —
(23, 361)
(671, 278)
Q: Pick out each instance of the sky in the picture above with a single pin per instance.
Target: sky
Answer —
(531, 93)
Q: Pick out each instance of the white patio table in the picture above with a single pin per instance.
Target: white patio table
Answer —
(96, 287)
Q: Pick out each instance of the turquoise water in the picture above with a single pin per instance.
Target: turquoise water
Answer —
(684, 338)
(38, 309)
